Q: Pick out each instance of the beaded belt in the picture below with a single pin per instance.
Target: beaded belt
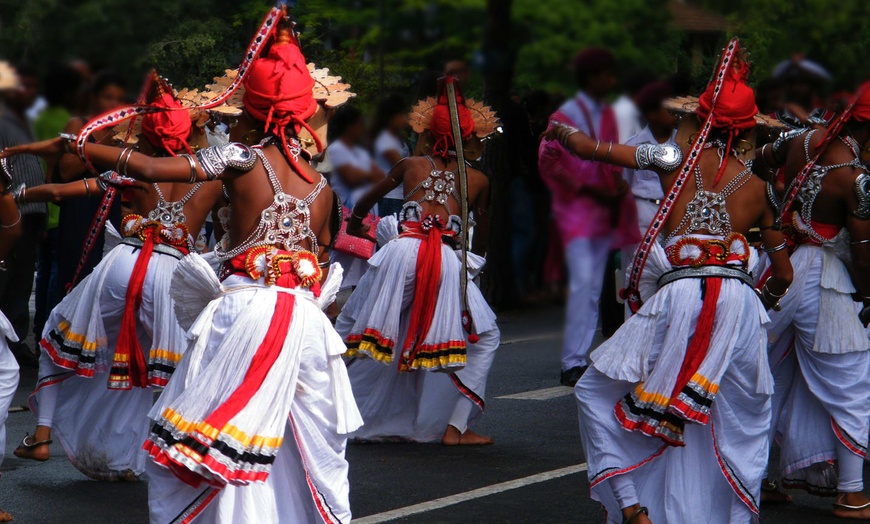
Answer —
(163, 249)
(705, 272)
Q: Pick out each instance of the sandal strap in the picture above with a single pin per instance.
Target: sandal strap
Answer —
(642, 509)
(851, 508)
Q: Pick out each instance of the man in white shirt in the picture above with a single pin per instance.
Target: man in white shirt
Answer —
(390, 148)
(646, 186)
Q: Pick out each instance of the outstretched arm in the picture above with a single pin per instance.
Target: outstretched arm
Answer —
(57, 193)
(136, 165)
(661, 158)
(393, 180)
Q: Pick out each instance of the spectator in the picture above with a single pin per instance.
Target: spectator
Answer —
(107, 92)
(62, 86)
(353, 173)
(628, 115)
(390, 147)
(16, 281)
(592, 207)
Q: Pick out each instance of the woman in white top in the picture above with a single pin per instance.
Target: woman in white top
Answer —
(353, 174)
(390, 146)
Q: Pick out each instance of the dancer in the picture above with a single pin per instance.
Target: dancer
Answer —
(689, 369)
(115, 336)
(406, 314)
(819, 349)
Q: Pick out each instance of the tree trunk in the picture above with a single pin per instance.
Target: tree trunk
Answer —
(498, 283)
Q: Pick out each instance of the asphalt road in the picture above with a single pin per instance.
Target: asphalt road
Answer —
(533, 474)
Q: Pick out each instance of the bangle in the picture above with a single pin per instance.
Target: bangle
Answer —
(594, 153)
(13, 224)
(770, 250)
(123, 171)
(856, 242)
(87, 187)
(609, 150)
(354, 215)
(126, 151)
(67, 138)
(192, 163)
(767, 290)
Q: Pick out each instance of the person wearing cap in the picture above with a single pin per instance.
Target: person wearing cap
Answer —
(675, 408)
(115, 338)
(406, 316)
(591, 204)
(646, 187)
(819, 348)
(802, 81)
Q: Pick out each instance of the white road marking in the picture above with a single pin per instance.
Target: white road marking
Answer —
(444, 502)
(541, 394)
(543, 336)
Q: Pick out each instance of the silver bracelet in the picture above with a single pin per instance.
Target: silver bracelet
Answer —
(126, 151)
(780, 247)
(192, 162)
(564, 132)
(215, 160)
(123, 171)
(609, 150)
(13, 224)
(18, 194)
(595, 153)
(856, 242)
(667, 157)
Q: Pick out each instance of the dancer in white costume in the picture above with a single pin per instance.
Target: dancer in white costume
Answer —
(820, 354)
(687, 375)
(406, 315)
(252, 426)
(115, 336)
(10, 231)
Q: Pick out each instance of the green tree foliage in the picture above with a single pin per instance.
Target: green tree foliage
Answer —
(828, 32)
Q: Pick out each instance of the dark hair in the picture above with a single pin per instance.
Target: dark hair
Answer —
(62, 86)
(107, 78)
(592, 61)
(389, 106)
(345, 116)
(634, 81)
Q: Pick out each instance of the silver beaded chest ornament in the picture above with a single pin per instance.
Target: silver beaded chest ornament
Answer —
(632, 292)
(706, 211)
(285, 223)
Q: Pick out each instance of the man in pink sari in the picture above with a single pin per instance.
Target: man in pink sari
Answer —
(592, 206)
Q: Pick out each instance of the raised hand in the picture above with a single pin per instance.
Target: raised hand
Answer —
(111, 178)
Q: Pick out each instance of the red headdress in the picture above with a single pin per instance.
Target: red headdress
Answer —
(861, 106)
(734, 109)
(278, 92)
(440, 127)
(168, 130)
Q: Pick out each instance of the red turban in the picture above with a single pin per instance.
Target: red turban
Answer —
(278, 92)
(735, 108)
(861, 109)
(167, 130)
(441, 128)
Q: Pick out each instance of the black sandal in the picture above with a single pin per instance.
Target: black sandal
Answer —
(31, 446)
(642, 509)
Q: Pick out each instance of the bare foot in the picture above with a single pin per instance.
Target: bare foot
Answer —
(5, 517)
(635, 515)
(452, 437)
(860, 509)
(771, 494)
(35, 447)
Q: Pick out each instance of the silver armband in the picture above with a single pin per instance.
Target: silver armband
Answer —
(776, 205)
(215, 160)
(862, 192)
(667, 157)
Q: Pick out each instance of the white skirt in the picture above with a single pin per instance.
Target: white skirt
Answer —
(102, 429)
(280, 456)
(715, 475)
(821, 365)
(414, 405)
